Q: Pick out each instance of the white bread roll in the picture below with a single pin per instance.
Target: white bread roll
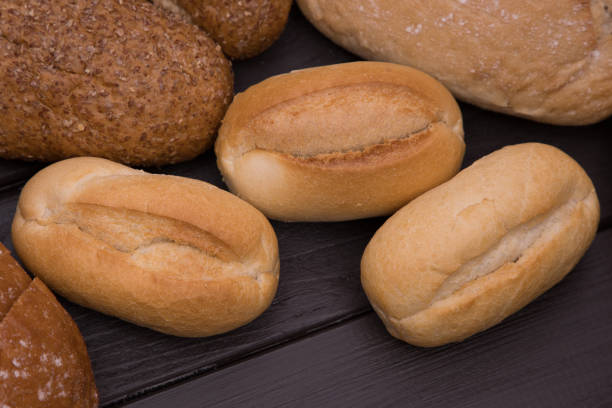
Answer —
(173, 254)
(340, 142)
(467, 254)
(546, 60)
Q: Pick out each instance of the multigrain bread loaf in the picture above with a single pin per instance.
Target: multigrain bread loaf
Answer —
(548, 60)
(467, 254)
(43, 359)
(340, 142)
(173, 254)
(243, 28)
(111, 78)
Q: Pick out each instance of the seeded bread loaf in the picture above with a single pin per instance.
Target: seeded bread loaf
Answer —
(111, 78)
(243, 28)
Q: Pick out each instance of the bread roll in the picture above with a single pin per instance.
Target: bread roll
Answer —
(467, 254)
(340, 142)
(242, 28)
(43, 359)
(547, 60)
(173, 254)
(111, 78)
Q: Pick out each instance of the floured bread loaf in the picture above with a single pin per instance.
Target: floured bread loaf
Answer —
(43, 359)
(546, 60)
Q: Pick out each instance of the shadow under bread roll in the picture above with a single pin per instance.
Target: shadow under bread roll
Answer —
(469, 253)
(340, 142)
(170, 253)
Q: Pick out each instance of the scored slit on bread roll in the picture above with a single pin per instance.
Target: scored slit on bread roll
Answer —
(173, 254)
(340, 142)
(467, 254)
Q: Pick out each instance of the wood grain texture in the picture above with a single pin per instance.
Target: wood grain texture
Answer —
(319, 287)
(553, 353)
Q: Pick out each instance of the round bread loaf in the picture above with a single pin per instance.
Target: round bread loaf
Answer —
(111, 78)
(340, 142)
(43, 359)
(467, 254)
(173, 254)
(242, 28)
(547, 60)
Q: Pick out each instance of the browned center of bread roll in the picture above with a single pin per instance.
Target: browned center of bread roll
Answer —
(467, 254)
(340, 142)
(110, 78)
(43, 359)
(174, 254)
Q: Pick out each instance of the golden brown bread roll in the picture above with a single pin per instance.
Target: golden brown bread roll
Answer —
(340, 142)
(467, 254)
(114, 79)
(243, 28)
(43, 359)
(547, 60)
(173, 254)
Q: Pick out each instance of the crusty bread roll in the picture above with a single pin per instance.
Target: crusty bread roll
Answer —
(467, 254)
(340, 142)
(242, 28)
(111, 78)
(547, 60)
(43, 359)
(173, 254)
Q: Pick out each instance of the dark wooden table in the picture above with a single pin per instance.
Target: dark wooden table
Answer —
(320, 344)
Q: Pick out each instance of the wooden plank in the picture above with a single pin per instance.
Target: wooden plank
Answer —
(553, 353)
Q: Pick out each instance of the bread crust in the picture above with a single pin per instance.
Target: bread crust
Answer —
(13, 280)
(173, 254)
(549, 61)
(115, 79)
(43, 359)
(467, 254)
(339, 142)
(244, 29)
